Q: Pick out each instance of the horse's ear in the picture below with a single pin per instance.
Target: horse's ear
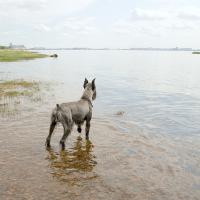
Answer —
(85, 82)
(93, 84)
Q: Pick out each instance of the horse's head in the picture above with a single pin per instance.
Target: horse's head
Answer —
(90, 87)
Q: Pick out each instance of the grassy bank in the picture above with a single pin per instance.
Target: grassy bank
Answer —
(195, 52)
(9, 55)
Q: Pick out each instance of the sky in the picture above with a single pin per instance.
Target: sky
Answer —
(100, 23)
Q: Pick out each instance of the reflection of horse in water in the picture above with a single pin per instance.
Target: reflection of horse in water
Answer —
(76, 159)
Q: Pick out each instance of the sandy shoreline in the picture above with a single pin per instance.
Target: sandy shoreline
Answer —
(113, 165)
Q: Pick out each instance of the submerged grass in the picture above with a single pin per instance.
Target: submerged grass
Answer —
(18, 83)
(9, 55)
(14, 92)
(14, 88)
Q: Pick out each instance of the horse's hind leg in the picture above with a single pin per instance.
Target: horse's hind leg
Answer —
(87, 129)
(52, 126)
(67, 131)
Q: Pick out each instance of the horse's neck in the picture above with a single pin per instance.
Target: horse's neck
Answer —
(87, 94)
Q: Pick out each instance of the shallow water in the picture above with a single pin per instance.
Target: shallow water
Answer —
(144, 140)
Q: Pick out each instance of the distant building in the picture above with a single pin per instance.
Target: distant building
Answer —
(37, 48)
(12, 46)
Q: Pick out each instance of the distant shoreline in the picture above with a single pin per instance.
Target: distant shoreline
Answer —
(116, 49)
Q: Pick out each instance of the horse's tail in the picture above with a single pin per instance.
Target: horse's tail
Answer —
(58, 106)
(56, 114)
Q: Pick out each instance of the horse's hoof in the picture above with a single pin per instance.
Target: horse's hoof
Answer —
(62, 145)
(79, 129)
(87, 137)
(47, 144)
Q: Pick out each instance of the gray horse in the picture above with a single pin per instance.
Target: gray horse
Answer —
(74, 112)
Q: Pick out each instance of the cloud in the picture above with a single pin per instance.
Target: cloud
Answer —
(157, 23)
(42, 28)
(102, 22)
(76, 25)
(43, 15)
(189, 14)
(129, 28)
(49, 19)
(69, 26)
(141, 14)
(38, 5)
(23, 4)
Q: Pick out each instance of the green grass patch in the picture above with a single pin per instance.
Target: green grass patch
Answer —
(196, 52)
(9, 55)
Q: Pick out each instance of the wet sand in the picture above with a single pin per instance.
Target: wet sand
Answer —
(114, 164)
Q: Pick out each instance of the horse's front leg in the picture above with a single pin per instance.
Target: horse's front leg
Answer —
(79, 128)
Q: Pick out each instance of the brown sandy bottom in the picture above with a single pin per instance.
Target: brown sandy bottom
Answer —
(112, 165)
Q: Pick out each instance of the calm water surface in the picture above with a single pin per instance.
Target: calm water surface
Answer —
(145, 133)
(159, 91)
